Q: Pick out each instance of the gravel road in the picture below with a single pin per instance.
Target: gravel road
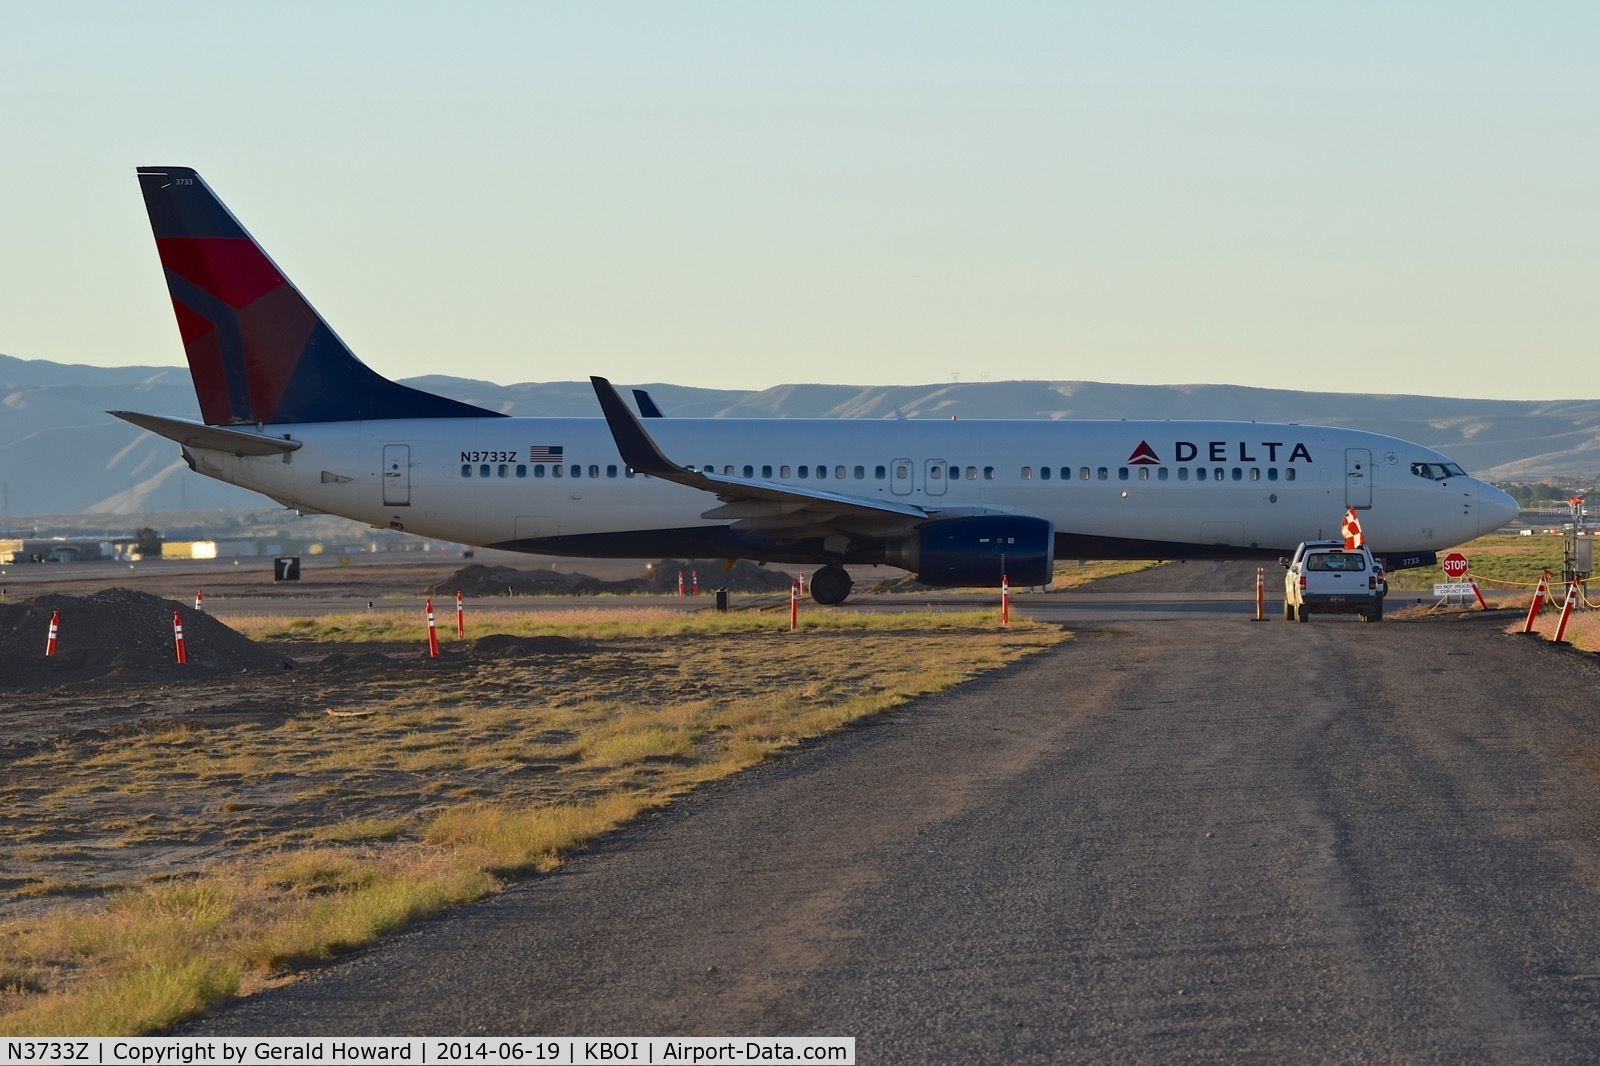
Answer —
(1200, 839)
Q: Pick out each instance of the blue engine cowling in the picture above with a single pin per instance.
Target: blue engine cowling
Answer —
(976, 550)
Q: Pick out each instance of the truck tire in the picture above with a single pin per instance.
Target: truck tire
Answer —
(1302, 614)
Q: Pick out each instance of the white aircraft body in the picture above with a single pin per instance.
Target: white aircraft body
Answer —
(289, 412)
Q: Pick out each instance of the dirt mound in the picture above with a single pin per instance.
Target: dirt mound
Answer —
(118, 634)
(660, 578)
(348, 659)
(479, 580)
(745, 576)
(504, 646)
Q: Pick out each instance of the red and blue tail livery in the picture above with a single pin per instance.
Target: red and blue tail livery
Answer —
(258, 352)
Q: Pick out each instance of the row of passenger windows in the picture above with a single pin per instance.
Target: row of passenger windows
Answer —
(555, 470)
(902, 473)
(1201, 473)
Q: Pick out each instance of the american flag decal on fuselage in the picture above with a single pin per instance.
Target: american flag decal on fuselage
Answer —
(544, 453)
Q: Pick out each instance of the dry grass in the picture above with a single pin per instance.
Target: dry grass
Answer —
(151, 874)
(582, 623)
(1583, 628)
(1070, 575)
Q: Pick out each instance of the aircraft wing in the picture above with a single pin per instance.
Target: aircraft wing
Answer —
(217, 438)
(752, 503)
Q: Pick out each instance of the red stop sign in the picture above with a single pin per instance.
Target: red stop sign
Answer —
(1455, 566)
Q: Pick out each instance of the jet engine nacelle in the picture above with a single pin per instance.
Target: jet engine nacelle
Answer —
(977, 550)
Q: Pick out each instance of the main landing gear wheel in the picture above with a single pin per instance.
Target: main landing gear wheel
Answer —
(830, 585)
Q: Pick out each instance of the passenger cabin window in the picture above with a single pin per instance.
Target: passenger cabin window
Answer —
(805, 471)
(1183, 473)
(1122, 473)
(1083, 473)
(1027, 473)
(1044, 473)
(783, 471)
(880, 472)
(766, 471)
(988, 473)
(466, 469)
(1161, 473)
(611, 471)
(1144, 473)
(861, 473)
(1102, 474)
(522, 470)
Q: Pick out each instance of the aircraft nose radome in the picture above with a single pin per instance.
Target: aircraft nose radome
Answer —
(1495, 508)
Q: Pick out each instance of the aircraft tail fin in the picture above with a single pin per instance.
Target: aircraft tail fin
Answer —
(258, 352)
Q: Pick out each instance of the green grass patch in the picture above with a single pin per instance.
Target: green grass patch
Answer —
(1497, 563)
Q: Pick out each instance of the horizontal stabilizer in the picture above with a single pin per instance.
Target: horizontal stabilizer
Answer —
(215, 438)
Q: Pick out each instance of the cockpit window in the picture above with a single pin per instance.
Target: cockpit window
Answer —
(1437, 471)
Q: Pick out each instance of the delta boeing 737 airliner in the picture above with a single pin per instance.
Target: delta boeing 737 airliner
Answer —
(289, 412)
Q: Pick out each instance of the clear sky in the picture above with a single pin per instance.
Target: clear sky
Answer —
(1332, 196)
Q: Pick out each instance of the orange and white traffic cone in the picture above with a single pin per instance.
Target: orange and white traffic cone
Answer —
(794, 606)
(199, 599)
(1538, 602)
(1005, 600)
(1566, 612)
(177, 638)
(55, 626)
(433, 634)
(461, 617)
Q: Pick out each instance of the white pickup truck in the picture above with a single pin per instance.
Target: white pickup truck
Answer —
(1327, 578)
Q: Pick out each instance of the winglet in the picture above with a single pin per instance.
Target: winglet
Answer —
(633, 443)
(647, 406)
